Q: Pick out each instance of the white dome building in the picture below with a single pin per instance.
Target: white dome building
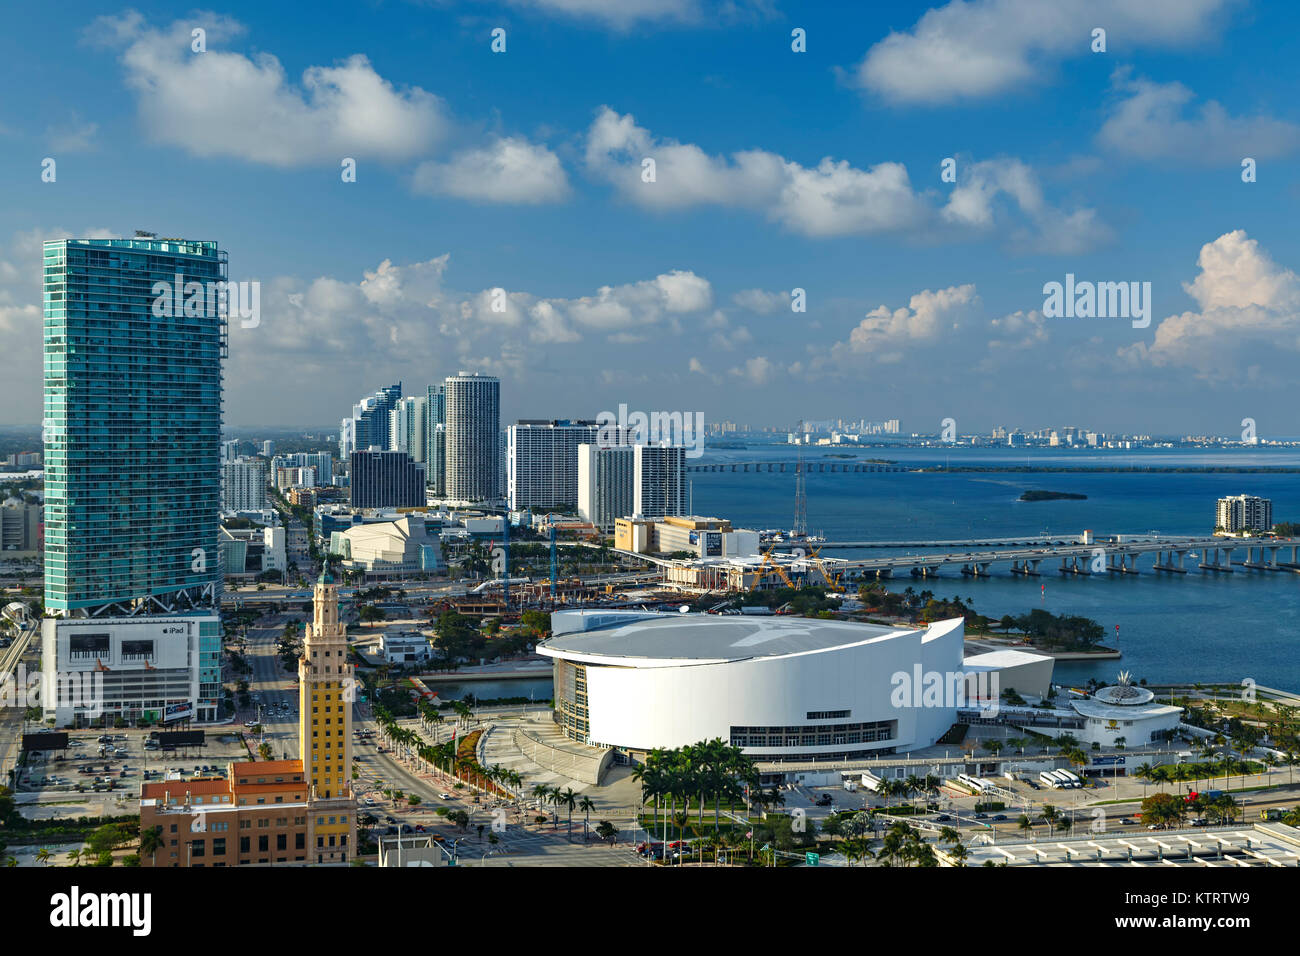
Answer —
(778, 687)
(1124, 711)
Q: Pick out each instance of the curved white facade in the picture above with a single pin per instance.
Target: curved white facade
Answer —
(779, 687)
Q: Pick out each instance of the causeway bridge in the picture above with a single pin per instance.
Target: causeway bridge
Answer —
(808, 467)
(1172, 556)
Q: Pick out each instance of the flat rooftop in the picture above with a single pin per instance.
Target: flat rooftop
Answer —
(1271, 844)
(710, 638)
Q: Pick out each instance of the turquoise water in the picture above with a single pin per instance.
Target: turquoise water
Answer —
(1198, 626)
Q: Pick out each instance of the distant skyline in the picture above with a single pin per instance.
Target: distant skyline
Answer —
(775, 170)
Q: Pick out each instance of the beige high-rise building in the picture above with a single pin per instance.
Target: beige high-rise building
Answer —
(326, 693)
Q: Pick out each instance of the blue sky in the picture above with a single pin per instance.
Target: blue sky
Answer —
(775, 170)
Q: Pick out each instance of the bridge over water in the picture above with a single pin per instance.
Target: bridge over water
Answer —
(1118, 557)
(793, 467)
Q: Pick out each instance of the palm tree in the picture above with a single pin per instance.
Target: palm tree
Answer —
(1143, 773)
(43, 855)
(540, 792)
(151, 841)
(586, 806)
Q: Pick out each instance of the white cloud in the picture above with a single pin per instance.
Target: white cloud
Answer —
(761, 301)
(972, 203)
(1149, 122)
(1018, 330)
(970, 50)
(756, 371)
(509, 169)
(831, 199)
(884, 334)
(1249, 317)
(220, 103)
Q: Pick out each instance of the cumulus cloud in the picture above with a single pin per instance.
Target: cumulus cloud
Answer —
(884, 333)
(1018, 330)
(1152, 121)
(830, 199)
(406, 312)
(1045, 228)
(221, 103)
(971, 50)
(509, 169)
(761, 301)
(1249, 316)
(755, 371)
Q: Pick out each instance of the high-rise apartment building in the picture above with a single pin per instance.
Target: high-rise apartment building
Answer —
(542, 463)
(386, 479)
(368, 425)
(133, 426)
(435, 441)
(268, 449)
(605, 482)
(1243, 513)
(243, 484)
(134, 337)
(659, 481)
(473, 442)
(408, 427)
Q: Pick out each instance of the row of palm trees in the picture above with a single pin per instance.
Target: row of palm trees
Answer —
(1226, 767)
(443, 756)
(908, 786)
(709, 770)
(569, 800)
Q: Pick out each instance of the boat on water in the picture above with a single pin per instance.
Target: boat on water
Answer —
(775, 536)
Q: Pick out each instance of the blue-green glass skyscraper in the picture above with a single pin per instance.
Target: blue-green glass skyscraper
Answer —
(133, 408)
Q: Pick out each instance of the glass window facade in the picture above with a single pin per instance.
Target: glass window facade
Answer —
(133, 407)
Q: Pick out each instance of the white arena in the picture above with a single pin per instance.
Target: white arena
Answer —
(780, 688)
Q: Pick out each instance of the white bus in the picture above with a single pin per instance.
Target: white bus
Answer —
(1049, 779)
(1073, 778)
(1064, 778)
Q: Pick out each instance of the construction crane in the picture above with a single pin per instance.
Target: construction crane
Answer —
(832, 581)
(767, 562)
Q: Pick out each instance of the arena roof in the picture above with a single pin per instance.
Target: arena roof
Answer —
(704, 638)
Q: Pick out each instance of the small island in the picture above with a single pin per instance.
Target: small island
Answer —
(1034, 495)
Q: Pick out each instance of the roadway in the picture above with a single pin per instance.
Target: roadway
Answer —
(1029, 558)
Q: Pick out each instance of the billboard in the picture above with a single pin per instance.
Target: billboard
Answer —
(180, 738)
(45, 741)
(182, 711)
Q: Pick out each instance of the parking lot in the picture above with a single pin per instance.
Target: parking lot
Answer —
(109, 767)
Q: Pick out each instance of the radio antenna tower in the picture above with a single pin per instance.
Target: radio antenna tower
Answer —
(800, 528)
